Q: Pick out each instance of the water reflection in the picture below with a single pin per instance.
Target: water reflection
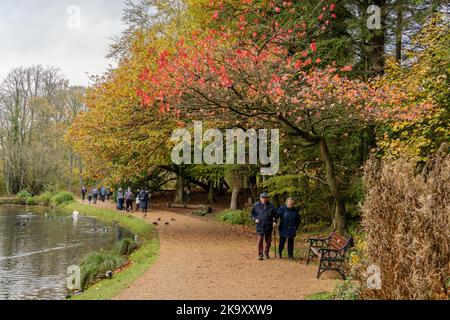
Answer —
(37, 246)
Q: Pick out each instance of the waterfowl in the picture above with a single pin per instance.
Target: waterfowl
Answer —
(155, 223)
(167, 223)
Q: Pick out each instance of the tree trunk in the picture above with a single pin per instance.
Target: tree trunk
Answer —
(211, 198)
(235, 199)
(377, 44)
(398, 35)
(71, 172)
(180, 196)
(80, 169)
(276, 201)
(339, 217)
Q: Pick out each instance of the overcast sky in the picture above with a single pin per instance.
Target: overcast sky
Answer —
(44, 32)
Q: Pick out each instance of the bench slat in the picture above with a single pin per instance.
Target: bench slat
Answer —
(337, 242)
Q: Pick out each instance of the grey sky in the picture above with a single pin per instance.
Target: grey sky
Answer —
(37, 32)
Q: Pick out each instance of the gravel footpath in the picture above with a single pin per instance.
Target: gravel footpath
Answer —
(204, 260)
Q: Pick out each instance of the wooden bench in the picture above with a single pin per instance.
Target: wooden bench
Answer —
(331, 253)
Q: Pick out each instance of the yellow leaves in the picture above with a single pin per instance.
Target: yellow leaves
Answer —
(398, 126)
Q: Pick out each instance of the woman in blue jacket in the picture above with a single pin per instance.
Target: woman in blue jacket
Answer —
(289, 223)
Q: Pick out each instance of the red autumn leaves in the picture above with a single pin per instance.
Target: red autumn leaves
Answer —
(248, 69)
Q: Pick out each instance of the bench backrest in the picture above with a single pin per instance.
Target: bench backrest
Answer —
(338, 242)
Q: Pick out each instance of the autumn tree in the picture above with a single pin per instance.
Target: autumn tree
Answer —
(426, 79)
(34, 106)
(269, 74)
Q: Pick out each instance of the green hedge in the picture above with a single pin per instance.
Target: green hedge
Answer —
(237, 217)
(54, 199)
(45, 199)
(62, 198)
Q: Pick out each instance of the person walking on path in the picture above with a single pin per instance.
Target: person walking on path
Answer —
(188, 192)
(95, 194)
(143, 200)
(147, 200)
(129, 199)
(120, 199)
(103, 194)
(83, 192)
(289, 223)
(264, 215)
(138, 201)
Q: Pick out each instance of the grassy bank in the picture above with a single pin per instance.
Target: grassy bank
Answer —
(10, 201)
(141, 259)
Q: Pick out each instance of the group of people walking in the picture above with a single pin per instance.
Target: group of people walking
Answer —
(127, 200)
(267, 217)
(103, 194)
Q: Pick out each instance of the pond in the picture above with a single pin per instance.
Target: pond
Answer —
(37, 245)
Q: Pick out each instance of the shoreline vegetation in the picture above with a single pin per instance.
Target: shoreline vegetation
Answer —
(137, 262)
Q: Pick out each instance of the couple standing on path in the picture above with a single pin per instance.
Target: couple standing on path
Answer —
(266, 216)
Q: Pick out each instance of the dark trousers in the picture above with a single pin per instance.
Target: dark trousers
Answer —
(129, 203)
(120, 204)
(83, 195)
(267, 238)
(290, 242)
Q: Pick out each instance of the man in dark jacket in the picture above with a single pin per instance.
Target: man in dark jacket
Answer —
(83, 193)
(264, 215)
(289, 224)
(143, 199)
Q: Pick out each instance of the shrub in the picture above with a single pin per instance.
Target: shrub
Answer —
(62, 198)
(348, 290)
(31, 201)
(237, 217)
(125, 247)
(23, 196)
(406, 217)
(96, 265)
(45, 199)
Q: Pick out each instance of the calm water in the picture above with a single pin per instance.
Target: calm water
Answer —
(34, 258)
